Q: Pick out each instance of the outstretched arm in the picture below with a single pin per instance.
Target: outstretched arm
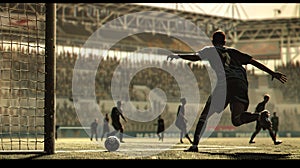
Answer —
(187, 56)
(278, 75)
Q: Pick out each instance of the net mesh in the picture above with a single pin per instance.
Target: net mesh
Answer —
(22, 76)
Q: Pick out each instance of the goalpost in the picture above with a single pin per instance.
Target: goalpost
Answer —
(27, 77)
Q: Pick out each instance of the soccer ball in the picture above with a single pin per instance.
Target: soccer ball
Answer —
(112, 143)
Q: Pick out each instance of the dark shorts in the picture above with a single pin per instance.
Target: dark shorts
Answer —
(275, 128)
(160, 129)
(117, 126)
(237, 90)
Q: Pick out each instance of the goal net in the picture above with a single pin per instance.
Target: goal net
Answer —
(23, 77)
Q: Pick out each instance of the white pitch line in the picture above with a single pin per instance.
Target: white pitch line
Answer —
(201, 147)
(68, 151)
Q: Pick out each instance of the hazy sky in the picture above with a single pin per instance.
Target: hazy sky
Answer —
(239, 10)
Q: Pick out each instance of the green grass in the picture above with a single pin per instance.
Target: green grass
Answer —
(210, 149)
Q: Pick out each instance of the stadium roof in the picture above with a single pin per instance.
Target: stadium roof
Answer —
(244, 11)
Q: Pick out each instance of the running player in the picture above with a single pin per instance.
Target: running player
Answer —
(265, 122)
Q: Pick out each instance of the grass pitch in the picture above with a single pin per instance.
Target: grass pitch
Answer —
(210, 149)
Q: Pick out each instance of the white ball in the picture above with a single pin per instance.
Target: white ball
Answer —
(112, 143)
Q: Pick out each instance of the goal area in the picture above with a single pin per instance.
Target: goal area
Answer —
(27, 78)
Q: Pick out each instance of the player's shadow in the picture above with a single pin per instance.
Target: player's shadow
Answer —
(251, 156)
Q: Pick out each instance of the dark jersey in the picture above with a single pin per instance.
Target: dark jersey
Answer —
(105, 124)
(260, 107)
(115, 115)
(160, 125)
(275, 121)
(94, 126)
(231, 59)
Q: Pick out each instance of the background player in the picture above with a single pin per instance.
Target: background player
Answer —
(94, 130)
(105, 128)
(265, 123)
(275, 123)
(160, 128)
(116, 112)
(181, 121)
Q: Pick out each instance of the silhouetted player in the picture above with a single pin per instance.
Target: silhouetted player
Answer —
(116, 113)
(94, 130)
(105, 126)
(236, 83)
(275, 123)
(181, 121)
(160, 128)
(265, 122)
